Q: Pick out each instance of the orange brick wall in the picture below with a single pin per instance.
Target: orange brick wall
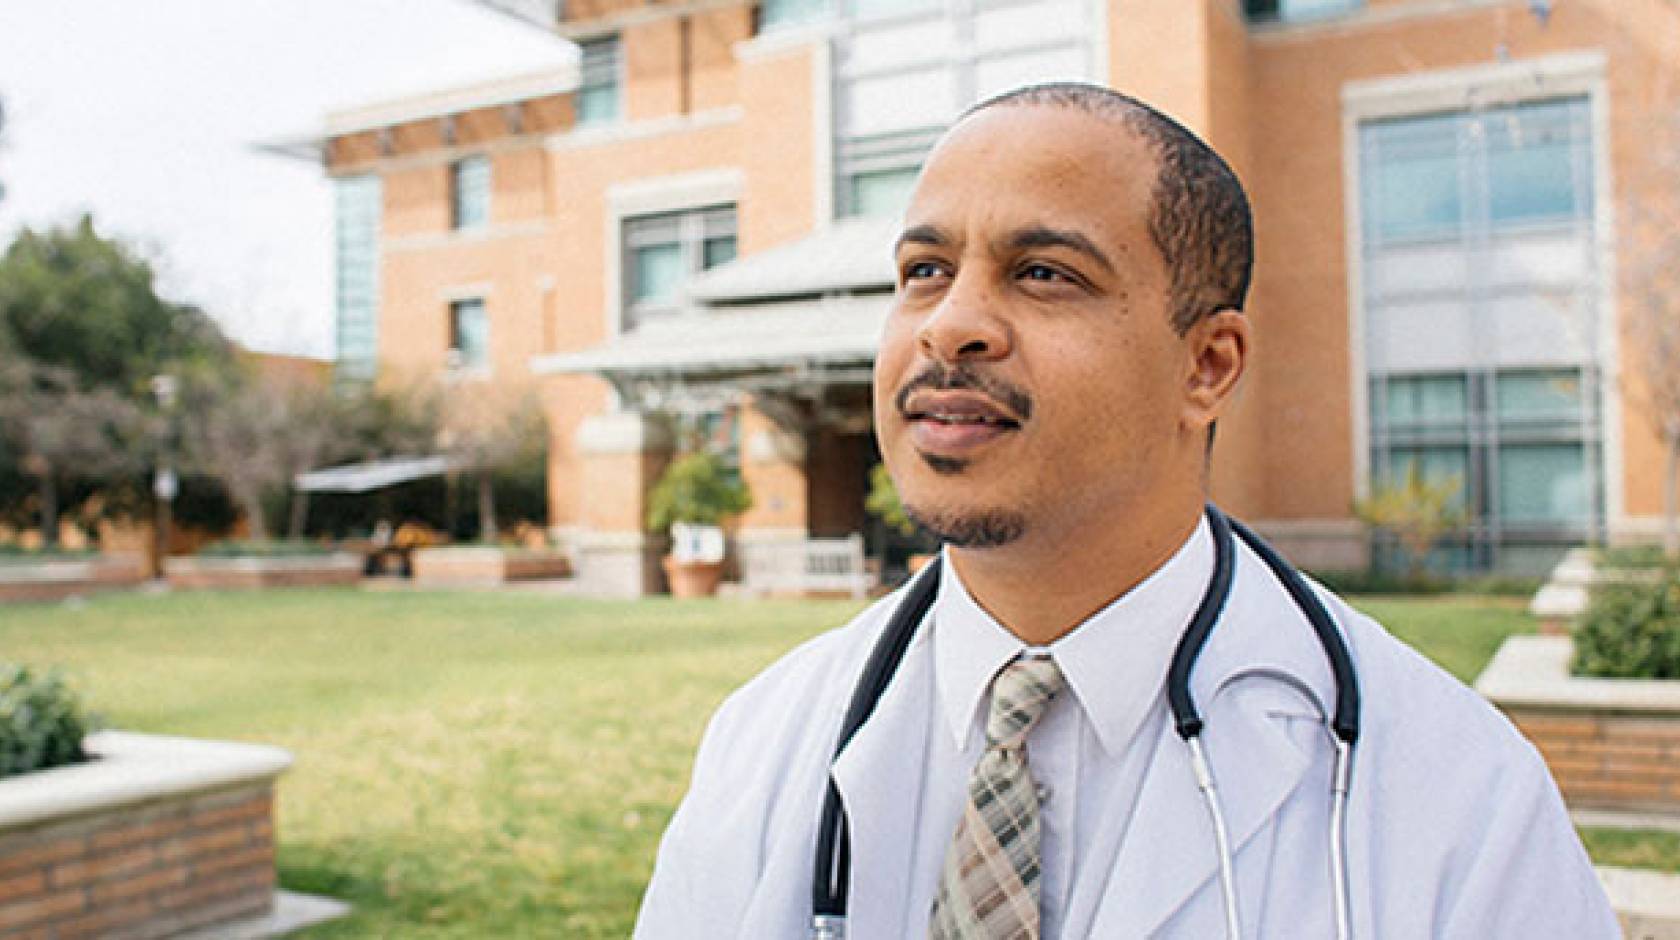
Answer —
(148, 871)
(1623, 762)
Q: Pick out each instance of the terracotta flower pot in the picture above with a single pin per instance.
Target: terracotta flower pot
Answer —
(693, 578)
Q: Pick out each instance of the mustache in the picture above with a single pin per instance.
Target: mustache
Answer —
(939, 377)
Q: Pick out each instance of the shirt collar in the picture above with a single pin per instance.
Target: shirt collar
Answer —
(1115, 662)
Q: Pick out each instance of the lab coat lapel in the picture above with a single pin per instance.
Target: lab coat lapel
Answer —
(1169, 853)
(879, 776)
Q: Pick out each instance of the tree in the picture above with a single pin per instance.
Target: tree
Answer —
(72, 299)
(488, 427)
(58, 433)
(82, 332)
(1417, 511)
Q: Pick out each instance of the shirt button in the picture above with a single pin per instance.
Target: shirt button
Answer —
(1043, 792)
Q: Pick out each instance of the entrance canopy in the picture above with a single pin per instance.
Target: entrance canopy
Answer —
(375, 474)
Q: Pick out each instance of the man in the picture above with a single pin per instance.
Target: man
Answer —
(1066, 330)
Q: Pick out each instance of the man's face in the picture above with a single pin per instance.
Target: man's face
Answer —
(1029, 381)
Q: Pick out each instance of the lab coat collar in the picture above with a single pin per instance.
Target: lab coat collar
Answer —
(1256, 764)
(1115, 662)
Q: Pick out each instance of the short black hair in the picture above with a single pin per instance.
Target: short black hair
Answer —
(1199, 217)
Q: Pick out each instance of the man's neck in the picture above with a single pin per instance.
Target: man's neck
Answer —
(1040, 589)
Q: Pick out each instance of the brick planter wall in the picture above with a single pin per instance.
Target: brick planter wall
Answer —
(155, 837)
(482, 565)
(1610, 743)
(262, 572)
(56, 580)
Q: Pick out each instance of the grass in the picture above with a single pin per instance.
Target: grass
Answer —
(473, 765)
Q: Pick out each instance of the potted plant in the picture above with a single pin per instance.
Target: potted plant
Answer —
(883, 503)
(693, 495)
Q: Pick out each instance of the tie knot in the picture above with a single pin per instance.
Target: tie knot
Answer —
(1020, 693)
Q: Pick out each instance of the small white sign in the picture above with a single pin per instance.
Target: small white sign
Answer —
(690, 542)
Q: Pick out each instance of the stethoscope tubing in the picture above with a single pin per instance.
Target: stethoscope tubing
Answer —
(832, 876)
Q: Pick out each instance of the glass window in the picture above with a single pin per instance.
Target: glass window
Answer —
(773, 14)
(1540, 395)
(469, 334)
(469, 191)
(882, 193)
(1298, 9)
(1543, 483)
(598, 86)
(1531, 166)
(657, 273)
(357, 205)
(662, 251)
(1437, 465)
(1433, 400)
(1412, 185)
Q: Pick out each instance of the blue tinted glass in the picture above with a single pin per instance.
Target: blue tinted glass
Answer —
(472, 333)
(656, 273)
(470, 184)
(1412, 185)
(1437, 465)
(1428, 400)
(1530, 161)
(357, 206)
(1552, 394)
(882, 193)
(773, 13)
(1307, 9)
(1543, 483)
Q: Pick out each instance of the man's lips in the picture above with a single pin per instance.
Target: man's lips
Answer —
(955, 420)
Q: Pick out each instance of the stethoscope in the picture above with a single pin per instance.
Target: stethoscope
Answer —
(833, 869)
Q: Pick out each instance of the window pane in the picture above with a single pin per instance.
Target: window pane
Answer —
(774, 13)
(470, 333)
(656, 272)
(1543, 483)
(1530, 168)
(1307, 9)
(1436, 465)
(1411, 170)
(595, 105)
(882, 193)
(1434, 400)
(597, 94)
(1539, 396)
(470, 189)
(356, 207)
(718, 251)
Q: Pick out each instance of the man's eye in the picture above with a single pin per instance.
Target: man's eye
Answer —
(921, 270)
(1042, 272)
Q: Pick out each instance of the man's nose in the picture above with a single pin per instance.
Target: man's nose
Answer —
(965, 326)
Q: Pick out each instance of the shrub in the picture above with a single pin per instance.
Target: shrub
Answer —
(276, 548)
(699, 489)
(1631, 630)
(41, 721)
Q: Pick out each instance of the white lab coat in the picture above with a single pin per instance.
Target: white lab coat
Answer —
(1455, 829)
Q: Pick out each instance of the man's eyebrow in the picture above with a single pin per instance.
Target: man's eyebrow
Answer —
(921, 235)
(1040, 236)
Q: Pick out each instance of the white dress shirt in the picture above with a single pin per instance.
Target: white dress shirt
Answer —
(1089, 752)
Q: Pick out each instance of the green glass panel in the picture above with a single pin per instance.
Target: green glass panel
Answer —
(472, 333)
(656, 273)
(882, 192)
(1433, 400)
(1436, 465)
(1553, 395)
(470, 184)
(1308, 9)
(1543, 483)
(773, 13)
(597, 104)
(717, 251)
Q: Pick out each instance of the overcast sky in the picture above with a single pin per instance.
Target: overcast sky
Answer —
(143, 114)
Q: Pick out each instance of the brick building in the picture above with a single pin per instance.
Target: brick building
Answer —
(696, 221)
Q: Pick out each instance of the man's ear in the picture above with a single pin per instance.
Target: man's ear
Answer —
(1218, 347)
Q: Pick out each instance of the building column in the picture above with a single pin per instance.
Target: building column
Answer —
(770, 536)
(622, 455)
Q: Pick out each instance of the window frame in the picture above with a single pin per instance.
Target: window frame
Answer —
(691, 229)
(598, 71)
(456, 357)
(460, 172)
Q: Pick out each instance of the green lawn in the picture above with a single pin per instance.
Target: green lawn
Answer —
(473, 765)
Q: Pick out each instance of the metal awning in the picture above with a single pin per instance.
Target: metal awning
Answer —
(375, 474)
(720, 342)
(850, 256)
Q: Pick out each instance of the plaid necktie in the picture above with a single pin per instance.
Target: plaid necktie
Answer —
(989, 888)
